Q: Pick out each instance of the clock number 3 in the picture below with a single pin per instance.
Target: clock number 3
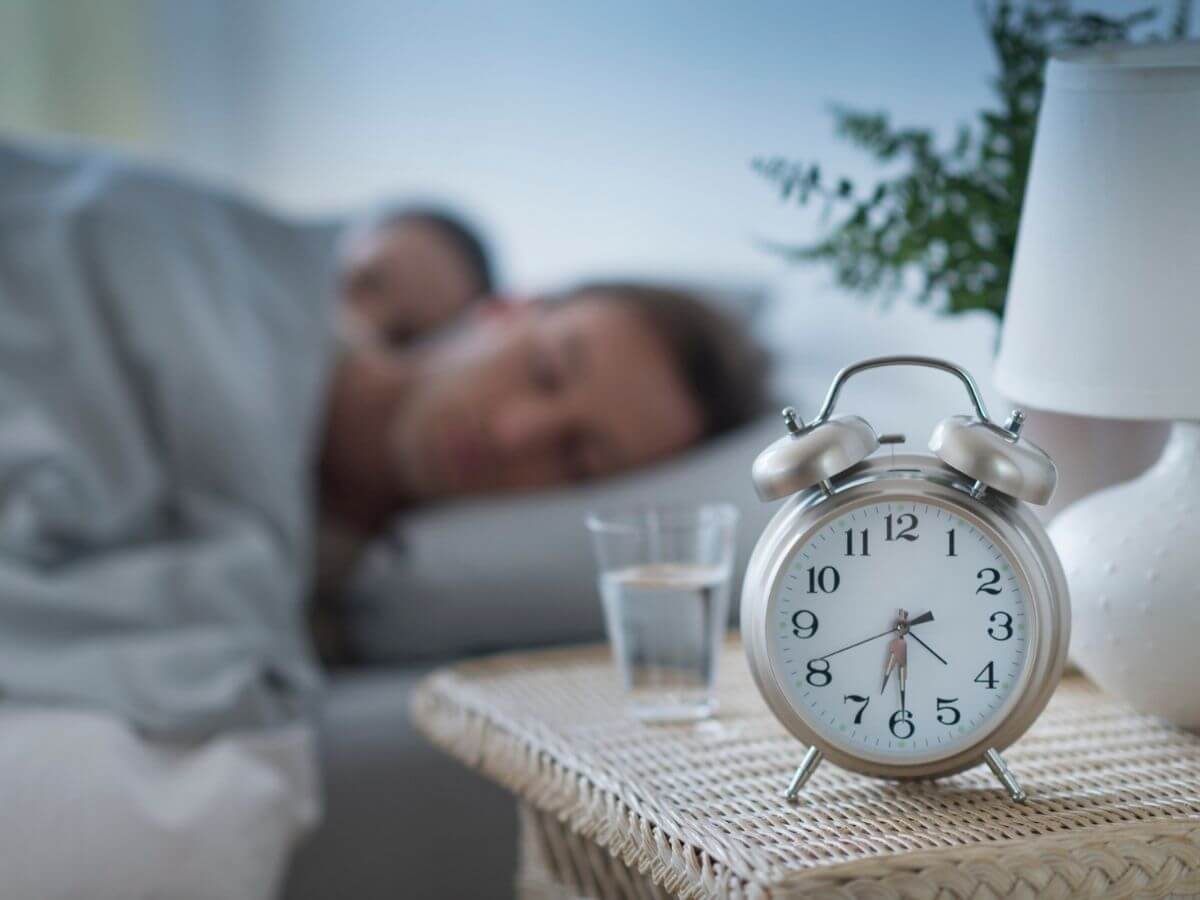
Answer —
(1001, 628)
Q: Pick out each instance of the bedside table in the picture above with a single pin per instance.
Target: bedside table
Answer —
(613, 807)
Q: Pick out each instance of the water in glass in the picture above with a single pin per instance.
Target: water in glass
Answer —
(666, 621)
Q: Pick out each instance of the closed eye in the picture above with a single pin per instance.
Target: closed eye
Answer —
(576, 461)
(588, 454)
(546, 373)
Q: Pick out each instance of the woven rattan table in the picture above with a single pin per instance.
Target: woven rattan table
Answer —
(611, 807)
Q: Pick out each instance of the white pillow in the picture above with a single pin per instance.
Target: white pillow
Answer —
(518, 571)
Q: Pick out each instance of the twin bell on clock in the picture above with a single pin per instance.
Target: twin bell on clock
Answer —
(905, 615)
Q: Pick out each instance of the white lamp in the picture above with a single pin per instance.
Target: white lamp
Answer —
(1103, 319)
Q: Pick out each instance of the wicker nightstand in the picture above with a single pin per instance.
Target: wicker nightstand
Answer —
(615, 808)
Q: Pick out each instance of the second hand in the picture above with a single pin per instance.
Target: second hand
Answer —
(857, 643)
(919, 620)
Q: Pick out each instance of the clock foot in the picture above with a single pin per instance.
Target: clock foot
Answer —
(808, 765)
(1004, 775)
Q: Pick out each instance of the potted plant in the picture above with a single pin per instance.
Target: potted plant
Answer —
(942, 230)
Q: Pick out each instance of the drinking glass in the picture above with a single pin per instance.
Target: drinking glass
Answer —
(664, 574)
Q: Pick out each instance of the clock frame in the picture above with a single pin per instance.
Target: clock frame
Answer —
(1010, 523)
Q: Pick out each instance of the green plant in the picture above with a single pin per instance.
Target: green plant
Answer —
(945, 227)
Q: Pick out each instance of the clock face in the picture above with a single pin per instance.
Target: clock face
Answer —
(899, 631)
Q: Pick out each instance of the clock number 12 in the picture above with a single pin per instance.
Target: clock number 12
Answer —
(907, 526)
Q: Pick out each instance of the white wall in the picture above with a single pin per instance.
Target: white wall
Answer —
(588, 136)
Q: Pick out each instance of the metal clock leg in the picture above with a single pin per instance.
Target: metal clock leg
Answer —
(808, 765)
(1004, 774)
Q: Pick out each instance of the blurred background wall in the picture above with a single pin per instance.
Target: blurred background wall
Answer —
(587, 136)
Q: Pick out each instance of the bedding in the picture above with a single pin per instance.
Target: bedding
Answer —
(93, 810)
(164, 349)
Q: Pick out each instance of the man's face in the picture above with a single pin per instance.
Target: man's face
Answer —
(406, 279)
(535, 395)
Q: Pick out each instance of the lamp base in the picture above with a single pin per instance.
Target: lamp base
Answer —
(1131, 553)
(1092, 453)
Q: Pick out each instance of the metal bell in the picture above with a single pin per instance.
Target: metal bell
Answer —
(997, 458)
(812, 455)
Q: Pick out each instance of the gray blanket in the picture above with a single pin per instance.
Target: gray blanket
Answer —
(164, 351)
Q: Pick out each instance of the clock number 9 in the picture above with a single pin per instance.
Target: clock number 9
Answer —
(804, 630)
(818, 673)
(901, 720)
(1001, 628)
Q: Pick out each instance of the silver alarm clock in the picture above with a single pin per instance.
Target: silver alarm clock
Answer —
(905, 615)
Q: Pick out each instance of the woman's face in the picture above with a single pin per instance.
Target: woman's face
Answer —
(406, 279)
(532, 395)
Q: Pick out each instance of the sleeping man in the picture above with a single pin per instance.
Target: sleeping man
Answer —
(177, 414)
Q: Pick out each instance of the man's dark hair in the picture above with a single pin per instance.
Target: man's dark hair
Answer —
(724, 369)
(451, 227)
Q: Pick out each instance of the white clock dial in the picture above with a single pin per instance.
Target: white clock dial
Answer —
(889, 685)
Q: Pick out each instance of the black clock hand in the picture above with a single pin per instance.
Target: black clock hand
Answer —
(937, 655)
(873, 637)
(919, 620)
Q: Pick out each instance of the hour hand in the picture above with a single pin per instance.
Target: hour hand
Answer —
(887, 669)
(897, 659)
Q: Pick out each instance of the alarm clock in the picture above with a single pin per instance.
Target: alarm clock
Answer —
(904, 614)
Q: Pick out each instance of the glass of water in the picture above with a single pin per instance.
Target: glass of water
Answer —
(664, 574)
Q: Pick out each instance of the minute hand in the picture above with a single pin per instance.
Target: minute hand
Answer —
(937, 655)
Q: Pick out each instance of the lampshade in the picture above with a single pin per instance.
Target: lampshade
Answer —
(1103, 311)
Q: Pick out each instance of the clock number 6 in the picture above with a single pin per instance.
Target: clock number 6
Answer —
(818, 673)
(857, 698)
(902, 720)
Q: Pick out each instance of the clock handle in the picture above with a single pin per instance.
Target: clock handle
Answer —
(928, 362)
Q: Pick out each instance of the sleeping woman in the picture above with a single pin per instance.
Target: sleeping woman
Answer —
(177, 415)
(409, 270)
